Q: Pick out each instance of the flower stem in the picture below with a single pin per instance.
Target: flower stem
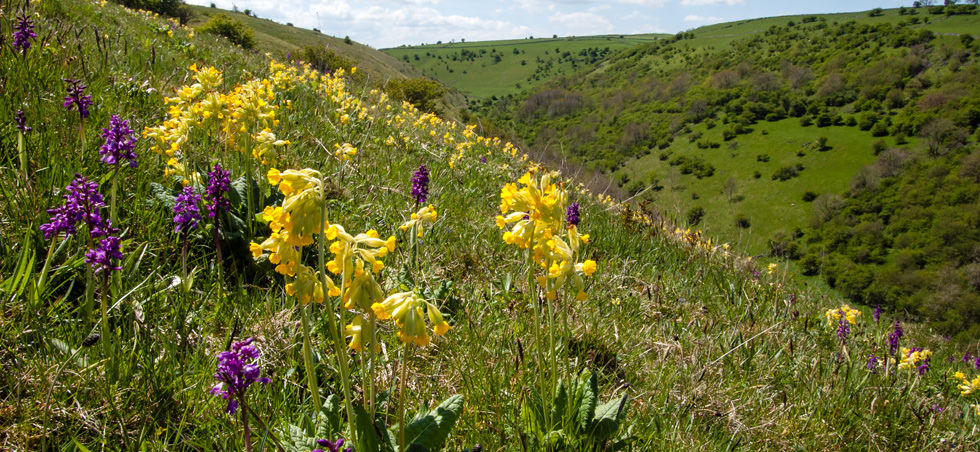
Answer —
(338, 344)
(22, 153)
(43, 278)
(308, 359)
(401, 397)
(247, 432)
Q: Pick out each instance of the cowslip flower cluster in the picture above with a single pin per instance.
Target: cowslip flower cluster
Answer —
(915, 358)
(535, 211)
(420, 185)
(406, 310)
(120, 141)
(23, 33)
(77, 98)
(186, 211)
(293, 225)
(219, 183)
(425, 215)
(846, 312)
(236, 372)
(966, 385)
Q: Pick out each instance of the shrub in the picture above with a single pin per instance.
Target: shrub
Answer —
(809, 196)
(695, 215)
(762, 158)
(742, 221)
(324, 59)
(420, 91)
(785, 173)
(232, 29)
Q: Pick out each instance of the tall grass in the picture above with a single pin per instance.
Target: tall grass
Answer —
(714, 351)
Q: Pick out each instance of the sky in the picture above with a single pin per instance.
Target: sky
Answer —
(389, 23)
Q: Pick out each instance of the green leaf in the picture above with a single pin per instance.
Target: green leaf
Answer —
(328, 422)
(80, 361)
(586, 410)
(607, 418)
(297, 441)
(429, 431)
(367, 434)
(560, 405)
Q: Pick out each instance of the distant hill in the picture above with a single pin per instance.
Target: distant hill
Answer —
(485, 69)
(738, 128)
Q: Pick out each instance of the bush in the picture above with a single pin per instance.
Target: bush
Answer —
(170, 8)
(324, 59)
(422, 92)
(762, 158)
(695, 215)
(785, 173)
(809, 196)
(232, 29)
(742, 221)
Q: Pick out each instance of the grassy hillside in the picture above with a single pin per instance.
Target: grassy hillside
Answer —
(282, 39)
(710, 349)
(486, 69)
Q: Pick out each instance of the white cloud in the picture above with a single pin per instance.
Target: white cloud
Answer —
(702, 19)
(711, 2)
(581, 23)
(657, 3)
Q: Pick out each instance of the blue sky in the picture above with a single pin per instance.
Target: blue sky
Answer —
(388, 23)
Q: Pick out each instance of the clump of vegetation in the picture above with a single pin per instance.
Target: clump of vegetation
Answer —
(325, 60)
(422, 92)
(170, 8)
(230, 28)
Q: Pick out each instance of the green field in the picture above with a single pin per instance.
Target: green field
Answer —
(498, 68)
(770, 205)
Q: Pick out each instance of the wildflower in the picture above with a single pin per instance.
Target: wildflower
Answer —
(427, 214)
(420, 185)
(21, 121)
(303, 190)
(77, 98)
(186, 212)
(345, 152)
(872, 363)
(572, 214)
(82, 204)
(100, 258)
(846, 312)
(966, 385)
(877, 313)
(915, 357)
(771, 268)
(967, 357)
(236, 372)
(218, 185)
(893, 338)
(332, 446)
(306, 287)
(119, 143)
(23, 33)
(843, 327)
(406, 310)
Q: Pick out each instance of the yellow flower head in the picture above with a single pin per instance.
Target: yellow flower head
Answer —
(426, 214)
(408, 311)
(834, 315)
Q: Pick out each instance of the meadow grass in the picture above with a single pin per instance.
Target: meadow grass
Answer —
(713, 350)
(483, 76)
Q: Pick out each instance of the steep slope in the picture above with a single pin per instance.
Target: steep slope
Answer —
(713, 350)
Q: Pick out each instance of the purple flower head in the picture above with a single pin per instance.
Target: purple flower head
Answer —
(332, 446)
(483, 160)
(924, 366)
(877, 314)
(843, 326)
(976, 364)
(100, 258)
(967, 357)
(82, 204)
(872, 363)
(236, 372)
(893, 338)
(186, 212)
(218, 184)
(77, 98)
(23, 33)
(21, 122)
(119, 143)
(420, 184)
(572, 214)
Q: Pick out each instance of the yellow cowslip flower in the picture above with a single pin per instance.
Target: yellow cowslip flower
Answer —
(303, 191)
(355, 331)
(306, 286)
(588, 267)
(834, 315)
(771, 268)
(966, 385)
(367, 247)
(426, 214)
(345, 152)
(283, 254)
(363, 290)
(265, 144)
(912, 358)
(406, 310)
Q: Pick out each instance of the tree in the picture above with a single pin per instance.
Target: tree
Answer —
(730, 188)
(941, 136)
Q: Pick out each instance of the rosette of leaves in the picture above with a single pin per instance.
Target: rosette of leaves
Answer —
(579, 421)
